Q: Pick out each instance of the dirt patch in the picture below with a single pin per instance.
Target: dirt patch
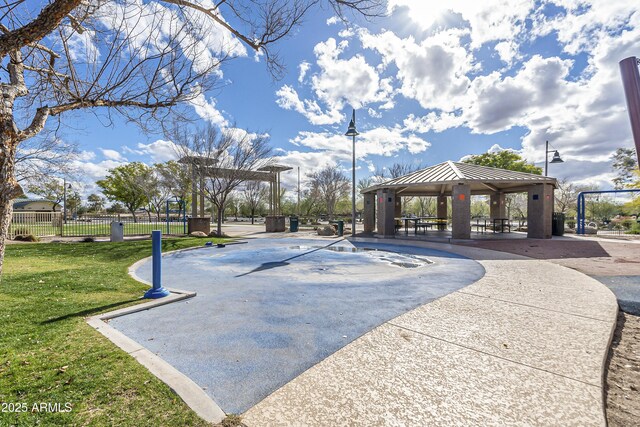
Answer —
(623, 373)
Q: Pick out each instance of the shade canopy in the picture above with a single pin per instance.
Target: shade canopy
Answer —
(440, 179)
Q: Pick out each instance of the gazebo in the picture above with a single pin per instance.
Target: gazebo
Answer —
(459, 181)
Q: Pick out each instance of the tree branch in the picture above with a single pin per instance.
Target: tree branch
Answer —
(47, 21)
(211, 13)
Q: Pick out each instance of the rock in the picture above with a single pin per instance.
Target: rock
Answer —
(215, 234)
(198, 234)
(326, 230)
(590, 230)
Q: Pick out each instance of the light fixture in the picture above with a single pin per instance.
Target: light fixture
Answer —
(556, 158)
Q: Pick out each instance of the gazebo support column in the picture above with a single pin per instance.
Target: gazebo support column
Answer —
(497, 207)
(386, 212)
(540, 211)
(369, 212)
(442, 206)
(461, 211)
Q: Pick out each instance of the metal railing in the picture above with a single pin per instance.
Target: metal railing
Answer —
(100, 225)
(39, 224)
(45, 224)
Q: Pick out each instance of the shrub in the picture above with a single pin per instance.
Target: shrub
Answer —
(571, 223)
(635, 229)
(26, 238)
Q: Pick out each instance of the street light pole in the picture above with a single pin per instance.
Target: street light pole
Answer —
(352, 132)
(556, 158)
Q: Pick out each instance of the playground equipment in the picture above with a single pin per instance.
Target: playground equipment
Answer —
(580, 223)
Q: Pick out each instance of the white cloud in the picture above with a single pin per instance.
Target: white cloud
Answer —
(289, 100)
(488, 20)
(160, 150)
(304, 67)
(208, 111)
(339, 82)
(381, 141)
(112, 155)
(507, 51)
(433, 72)
(373, 113)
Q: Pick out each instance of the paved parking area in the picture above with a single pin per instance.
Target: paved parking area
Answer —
(270, 309)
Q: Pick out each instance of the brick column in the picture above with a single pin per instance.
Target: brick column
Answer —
(442, 206)
(369, 212)
(497, 207)
(540, 211)
(386, 209)
(461, 211)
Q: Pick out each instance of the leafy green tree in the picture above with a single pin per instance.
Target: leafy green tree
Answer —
(74, 201)
(625, 163)
(116, 208)
(504, 159)
(95, 203)
(50, 189)
(126, 184)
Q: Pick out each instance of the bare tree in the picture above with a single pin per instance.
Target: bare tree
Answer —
(254, 194)
(224, 160)
(139, 59)
(566, 196)
(39, 158)
(427, 206)
(331, 185)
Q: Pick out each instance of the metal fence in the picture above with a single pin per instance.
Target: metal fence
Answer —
(44, 224)
(100, 225)
(40, 224)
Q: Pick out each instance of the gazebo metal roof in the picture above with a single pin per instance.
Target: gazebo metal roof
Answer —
(440, 178)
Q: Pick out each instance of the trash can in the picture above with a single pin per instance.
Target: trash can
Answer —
(293, 224)
(340, 227)
(117, 231)
(557, 225)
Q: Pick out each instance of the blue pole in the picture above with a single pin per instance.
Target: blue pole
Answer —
(157, 291)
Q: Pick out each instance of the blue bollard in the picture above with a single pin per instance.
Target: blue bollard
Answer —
(157, 291)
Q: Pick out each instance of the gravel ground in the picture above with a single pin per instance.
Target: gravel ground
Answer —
(623, 374)
(608, 258)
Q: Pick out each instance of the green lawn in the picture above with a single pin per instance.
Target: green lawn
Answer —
(48, 354)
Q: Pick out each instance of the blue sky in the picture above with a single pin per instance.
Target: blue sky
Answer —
(432, 81)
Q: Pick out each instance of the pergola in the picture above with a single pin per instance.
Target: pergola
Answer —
(459, 181)
(203, 167)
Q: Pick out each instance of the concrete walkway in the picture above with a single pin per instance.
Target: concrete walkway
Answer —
(525, 345)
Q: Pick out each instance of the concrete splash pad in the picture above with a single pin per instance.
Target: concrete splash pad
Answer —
(269, 310)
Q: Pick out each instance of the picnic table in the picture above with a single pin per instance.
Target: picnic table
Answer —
(498, 225)
(424, 222)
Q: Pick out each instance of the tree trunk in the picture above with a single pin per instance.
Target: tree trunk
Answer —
(253, 213)
(9, 187)
(219, 214)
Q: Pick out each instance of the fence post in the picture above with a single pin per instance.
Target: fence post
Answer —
(157, 291)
